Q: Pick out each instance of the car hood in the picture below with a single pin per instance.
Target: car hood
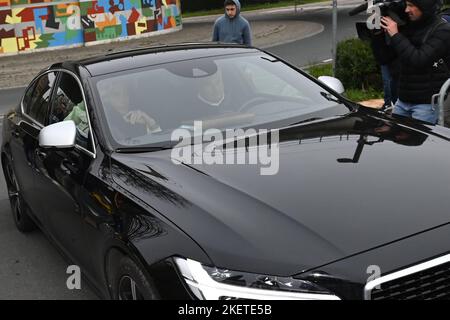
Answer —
(344, 186)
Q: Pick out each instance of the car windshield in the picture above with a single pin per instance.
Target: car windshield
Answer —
(144, 106)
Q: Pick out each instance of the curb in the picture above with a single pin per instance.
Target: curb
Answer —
(300, 8)
(276, 44)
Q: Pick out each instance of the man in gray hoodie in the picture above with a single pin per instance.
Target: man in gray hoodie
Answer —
(232, 28)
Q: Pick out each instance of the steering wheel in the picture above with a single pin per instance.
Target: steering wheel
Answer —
(254, 101)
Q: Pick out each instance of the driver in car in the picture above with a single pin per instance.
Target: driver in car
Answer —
(211, 90)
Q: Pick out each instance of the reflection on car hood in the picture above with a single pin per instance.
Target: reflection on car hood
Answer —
(344, 186)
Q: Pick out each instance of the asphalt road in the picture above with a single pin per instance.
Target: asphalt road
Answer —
(9, 98)
(31, 268)
(317, 48)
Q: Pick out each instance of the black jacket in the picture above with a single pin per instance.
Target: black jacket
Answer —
(421, 72)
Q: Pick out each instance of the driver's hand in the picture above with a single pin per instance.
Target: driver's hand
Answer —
(140, 117)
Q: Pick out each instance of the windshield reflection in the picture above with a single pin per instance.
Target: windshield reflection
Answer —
(144, 106)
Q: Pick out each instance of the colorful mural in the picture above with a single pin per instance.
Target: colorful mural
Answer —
(35, 24)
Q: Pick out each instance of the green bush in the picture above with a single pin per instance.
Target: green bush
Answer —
(194, 5)
(351, 93)
(356, 66)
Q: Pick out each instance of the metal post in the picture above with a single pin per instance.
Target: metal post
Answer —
(334, 45)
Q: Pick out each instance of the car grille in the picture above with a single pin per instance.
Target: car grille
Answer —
(427, 281)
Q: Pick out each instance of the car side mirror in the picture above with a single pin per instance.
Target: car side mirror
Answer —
(59, 135)
(333, 83)
(442, 102)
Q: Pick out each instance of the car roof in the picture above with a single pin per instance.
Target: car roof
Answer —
(112, 62)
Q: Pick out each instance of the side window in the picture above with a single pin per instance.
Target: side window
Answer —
(27, 98)
(68, 104)
(37, 98)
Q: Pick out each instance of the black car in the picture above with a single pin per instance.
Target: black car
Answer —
(355, 210)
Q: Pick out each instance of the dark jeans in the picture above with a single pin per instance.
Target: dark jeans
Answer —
(389, 86)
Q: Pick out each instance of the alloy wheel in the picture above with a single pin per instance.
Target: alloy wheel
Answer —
(14, 194)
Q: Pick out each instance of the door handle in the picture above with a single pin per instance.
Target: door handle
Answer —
(41, 154)
(65, 169)
(68, 166)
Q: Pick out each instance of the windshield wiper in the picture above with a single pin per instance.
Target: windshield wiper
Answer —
(330, 97)
(348, 103)
(270, 59)
(304, 121)
(142, 149)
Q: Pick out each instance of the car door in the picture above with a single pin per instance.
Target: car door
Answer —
(24, 138)
(63, 171)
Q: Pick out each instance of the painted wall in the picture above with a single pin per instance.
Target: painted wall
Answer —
(42, 24)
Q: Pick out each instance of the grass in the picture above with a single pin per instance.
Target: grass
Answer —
(359, 95)
(251, 7)
(351, 93)
(320, 70)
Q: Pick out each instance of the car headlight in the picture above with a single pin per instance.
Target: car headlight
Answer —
(209, 283)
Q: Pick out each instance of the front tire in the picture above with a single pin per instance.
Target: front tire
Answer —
(22, 220)
(131, 283)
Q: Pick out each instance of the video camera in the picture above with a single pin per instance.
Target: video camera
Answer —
(392, 8)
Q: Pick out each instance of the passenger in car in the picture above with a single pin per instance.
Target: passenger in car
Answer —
(79, 116)
(126, 120)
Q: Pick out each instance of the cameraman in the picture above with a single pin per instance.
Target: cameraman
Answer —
(423, 51)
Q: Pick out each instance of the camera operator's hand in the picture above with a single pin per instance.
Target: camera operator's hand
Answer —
(389, 25)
